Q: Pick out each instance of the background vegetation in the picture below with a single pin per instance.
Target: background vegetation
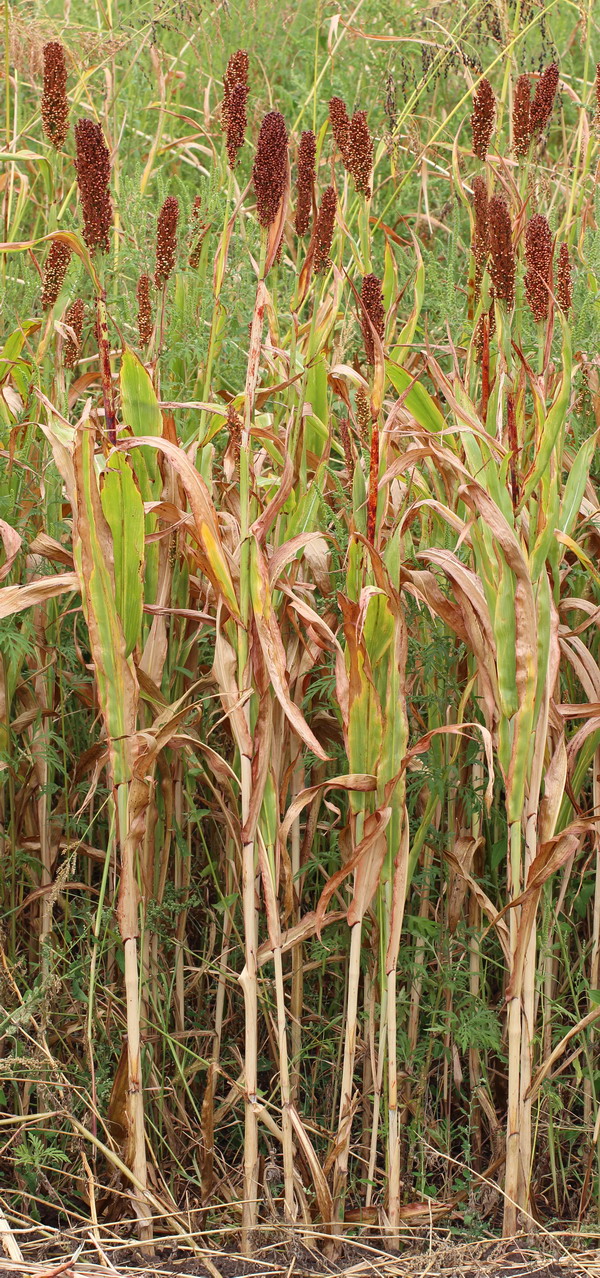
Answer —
(299, 681)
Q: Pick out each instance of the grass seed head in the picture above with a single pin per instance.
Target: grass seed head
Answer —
(324, 230)
(502, 264)
(74, 317)
(270, 167)
(93, 176)
(360, 153)
(55, 105)
(166, 240)
(521, 115)
(306, 181)
(233, 110)
(538, 256)
(543, 101)
(481, 230)
(564, 287)
(340, 126)
(144, 285)
(483, 118)
(55, 269)
(372, 306)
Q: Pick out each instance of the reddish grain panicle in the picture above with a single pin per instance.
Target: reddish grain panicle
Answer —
(372, 309)
(483, 118)
(340, 125)
(92, 165)
(564, 285)
(481, 229)
(269, 172)
(166, 240)
(145, 325)
(502, 255)
(73, 317)
(538, 256)
(306, 181)
(55, 269)
(55, 104)
(360, 153)
(324, 230)
(543, 101)
(521, 115)
(233, 110)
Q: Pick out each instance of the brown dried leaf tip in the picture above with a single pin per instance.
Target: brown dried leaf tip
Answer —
(73, 317)
(166, 240)
(55, 105)
(481, 229)
(93, 176)
(55, 269)
(360, 153)
(521, 115)
(340, 126)
(233, 109)
(502, 264)
(538, 256)
(483, 118)
(543, 102)
(145, 325)
(306, 181)
(269, 172)
(372, 309)
(564, 287)
(324, 230)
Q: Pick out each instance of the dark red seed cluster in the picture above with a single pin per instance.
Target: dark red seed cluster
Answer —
(233, 110)
(198, 230)
(55, 105)
(269, 172)
(481, 229)
(93, 176)
(340, 125)
(166, 240)
(543, 101)
(564, 287)
(144, 285)
(502, 254)
(360, 153)
(483, 118)
(73, 318)
(538, 256)
(521, 115)
(306, 181)
(372, 309)
(55, 269)
(324, 230)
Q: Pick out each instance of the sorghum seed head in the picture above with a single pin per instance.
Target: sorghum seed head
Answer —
(363, 416)
(55, 105)
(372, 306)
(481, 230)
(564, 288)
(233, 110)
(306, 181)
(502, 264)
(269, 171)
(234, 425)
(483, 118)
(144, 309)
(55, 269)
(521, 115)
(197, 232)
(324, 230)
(166, 240)
(93, 176)
(360, 152)
(340, 125)
(538, 256)
(543, 101)
(74, 317)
